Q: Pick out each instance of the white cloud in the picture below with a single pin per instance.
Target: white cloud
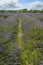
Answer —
(15, 4)
(9, 4)
(3, 2)
(7, 1)
(35, 5)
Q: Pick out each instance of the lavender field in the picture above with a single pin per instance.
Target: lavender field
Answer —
(21, 38)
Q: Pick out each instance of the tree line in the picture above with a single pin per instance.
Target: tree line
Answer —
(23, 11)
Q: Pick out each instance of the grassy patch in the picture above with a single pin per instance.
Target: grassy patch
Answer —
(5, 16)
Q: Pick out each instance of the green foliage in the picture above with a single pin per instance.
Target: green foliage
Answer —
(41, 19)
(8, 46)
(2, 11)
(5, 16)
(22, 10)
(33, 44)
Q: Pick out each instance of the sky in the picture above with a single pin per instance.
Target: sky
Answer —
(21, 4)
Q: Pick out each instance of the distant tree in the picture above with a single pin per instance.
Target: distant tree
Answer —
(42, 10)
(24, 10)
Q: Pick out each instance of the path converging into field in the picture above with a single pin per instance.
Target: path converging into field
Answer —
(19, 36)
(20, 43)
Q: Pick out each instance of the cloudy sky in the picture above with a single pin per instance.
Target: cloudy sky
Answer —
(21, 4)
